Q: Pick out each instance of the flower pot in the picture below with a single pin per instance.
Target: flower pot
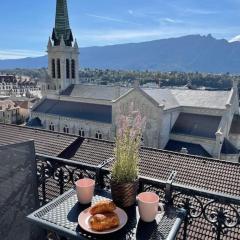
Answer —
(124, 194)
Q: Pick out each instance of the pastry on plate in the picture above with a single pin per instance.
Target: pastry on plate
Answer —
(105, 206)
(104, 221)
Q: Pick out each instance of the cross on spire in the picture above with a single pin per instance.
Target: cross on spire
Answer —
(62, 27)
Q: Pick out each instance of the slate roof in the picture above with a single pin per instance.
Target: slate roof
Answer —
(196, 125)
(235, 127)
(228, 147)
(162, 96)
(173, 98)
(201, 98)
(98, 92)
(46, 142)
(71, 109)
(193, 171)
(193, 149)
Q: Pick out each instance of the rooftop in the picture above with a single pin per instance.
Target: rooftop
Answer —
(98, 92)
(193, 149)
(207, 173)
(80, 110)
(173, 98)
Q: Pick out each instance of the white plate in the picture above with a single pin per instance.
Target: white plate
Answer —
(84, 216)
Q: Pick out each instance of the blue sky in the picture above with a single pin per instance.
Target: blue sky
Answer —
(26, 24)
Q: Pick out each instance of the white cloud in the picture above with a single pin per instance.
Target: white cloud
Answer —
(19, 53)
(200, 11)
(170, 20)
(111, 19)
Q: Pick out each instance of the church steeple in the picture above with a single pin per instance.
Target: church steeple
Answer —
(62, 27)
(63, 52)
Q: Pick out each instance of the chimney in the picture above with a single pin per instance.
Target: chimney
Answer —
(184, 150)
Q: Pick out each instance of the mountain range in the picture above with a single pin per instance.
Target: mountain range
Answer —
(188, 53)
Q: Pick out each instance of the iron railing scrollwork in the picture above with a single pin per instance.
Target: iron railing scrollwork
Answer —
(221, 211)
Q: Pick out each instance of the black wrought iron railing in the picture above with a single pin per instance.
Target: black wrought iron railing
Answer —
(212, 215)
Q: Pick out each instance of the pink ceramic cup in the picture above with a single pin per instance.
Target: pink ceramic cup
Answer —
(85, 190)
(148, 205)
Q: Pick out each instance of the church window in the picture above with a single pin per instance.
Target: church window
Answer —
(53, 69)
(81, 133)
(58, 69)
(98, 135)
(67, 68)
(51, 126)
(66, 129)
(73, 68)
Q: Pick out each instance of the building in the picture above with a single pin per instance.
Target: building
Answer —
(11, 85)
(193, 121)
(9, 112)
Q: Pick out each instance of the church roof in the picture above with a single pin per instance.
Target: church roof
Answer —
(201, 98)
(193, 149)
(196, 125)
(98, 92)
(173, 98)
(80, 110)
(162, 96)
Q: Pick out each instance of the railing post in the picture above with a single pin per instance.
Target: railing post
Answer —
(43, 183)
(168, 189)
(61, 180)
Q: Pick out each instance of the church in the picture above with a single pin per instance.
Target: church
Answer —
(195, 122)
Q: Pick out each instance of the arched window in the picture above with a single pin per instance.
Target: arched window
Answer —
(55, 88)
(98, 135)
(66, 129)
(67, 68)
(48, 86)
(73, 68)
(81, 133)
(51, 126)
(53, 69)
(58, 69)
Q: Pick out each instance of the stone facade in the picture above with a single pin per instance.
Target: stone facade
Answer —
(63, 66)
(9, 112)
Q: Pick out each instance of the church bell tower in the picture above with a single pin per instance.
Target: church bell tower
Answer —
(63, 52)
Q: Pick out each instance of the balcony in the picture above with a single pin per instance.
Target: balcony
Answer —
(210, 215)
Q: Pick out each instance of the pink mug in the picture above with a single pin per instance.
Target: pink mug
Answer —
(85, 190)
(148, 205)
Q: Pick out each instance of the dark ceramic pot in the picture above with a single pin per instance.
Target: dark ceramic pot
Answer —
(124, 194)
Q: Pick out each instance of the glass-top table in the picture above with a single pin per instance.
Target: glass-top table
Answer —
(61, 217)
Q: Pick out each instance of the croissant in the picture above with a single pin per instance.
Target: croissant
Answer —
(105, 221)
(104, 206)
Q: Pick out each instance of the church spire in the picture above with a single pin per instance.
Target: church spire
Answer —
(62, 27)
